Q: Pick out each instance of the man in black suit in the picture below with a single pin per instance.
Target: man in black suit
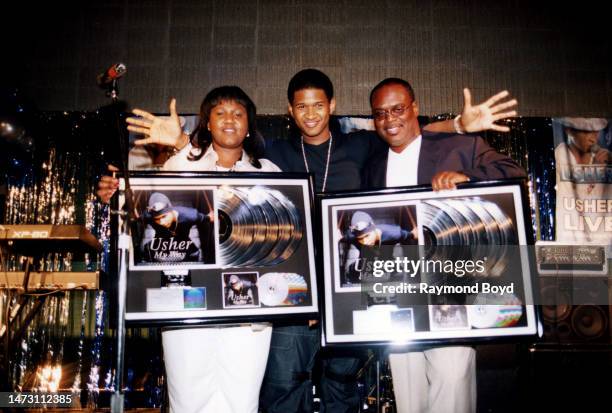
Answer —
(441, 379)
(443, 159)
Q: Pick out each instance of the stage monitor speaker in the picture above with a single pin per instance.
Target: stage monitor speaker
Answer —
(576, 310)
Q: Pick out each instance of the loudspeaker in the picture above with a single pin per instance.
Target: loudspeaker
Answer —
(574, 358)
(576, 310)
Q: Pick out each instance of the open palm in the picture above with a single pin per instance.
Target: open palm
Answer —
(160, 130)
(483, 116)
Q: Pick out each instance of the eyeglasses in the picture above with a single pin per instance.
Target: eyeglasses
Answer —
(395, 111)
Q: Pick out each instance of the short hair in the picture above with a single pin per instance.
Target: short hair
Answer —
(393, 81)
(310, 79)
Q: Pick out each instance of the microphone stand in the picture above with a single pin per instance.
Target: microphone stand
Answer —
(112, 91)
(128, 217)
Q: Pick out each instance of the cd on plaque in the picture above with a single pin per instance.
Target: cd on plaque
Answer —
(298, 289)
(281, 288)
(273, 289)
(492, 310)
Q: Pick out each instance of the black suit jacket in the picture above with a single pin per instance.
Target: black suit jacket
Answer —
(467, 154)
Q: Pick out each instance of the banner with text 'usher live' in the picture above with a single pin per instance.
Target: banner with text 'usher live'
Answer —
(584, 180)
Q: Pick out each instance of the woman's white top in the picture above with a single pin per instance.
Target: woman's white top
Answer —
(208, 162)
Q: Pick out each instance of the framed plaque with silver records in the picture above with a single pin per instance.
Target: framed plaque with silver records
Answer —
(414, 266)
(220, 248)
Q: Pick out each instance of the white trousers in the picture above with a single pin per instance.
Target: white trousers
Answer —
(440, 380)
(215, 369)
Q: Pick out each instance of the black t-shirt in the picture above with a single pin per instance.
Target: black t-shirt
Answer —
(349, 155)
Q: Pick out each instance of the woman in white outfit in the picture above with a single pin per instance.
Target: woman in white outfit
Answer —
(217, 369)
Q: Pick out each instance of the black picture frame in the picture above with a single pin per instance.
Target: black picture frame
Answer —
(352, 315)
(219, 248)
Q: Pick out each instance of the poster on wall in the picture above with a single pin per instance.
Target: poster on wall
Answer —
(583, 160)
(216, 247)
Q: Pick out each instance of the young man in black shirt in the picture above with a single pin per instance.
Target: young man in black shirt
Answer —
(337, 161)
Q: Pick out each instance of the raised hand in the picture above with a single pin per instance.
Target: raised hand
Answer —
(166, 131)
(483, 116)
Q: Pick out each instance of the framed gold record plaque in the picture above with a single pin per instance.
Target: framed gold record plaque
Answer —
(413, 266)
(220, 248)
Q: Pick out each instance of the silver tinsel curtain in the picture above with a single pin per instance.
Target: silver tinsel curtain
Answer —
(50, 165)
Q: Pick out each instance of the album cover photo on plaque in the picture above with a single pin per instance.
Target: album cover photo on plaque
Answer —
(220, 246)
(413, 265)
